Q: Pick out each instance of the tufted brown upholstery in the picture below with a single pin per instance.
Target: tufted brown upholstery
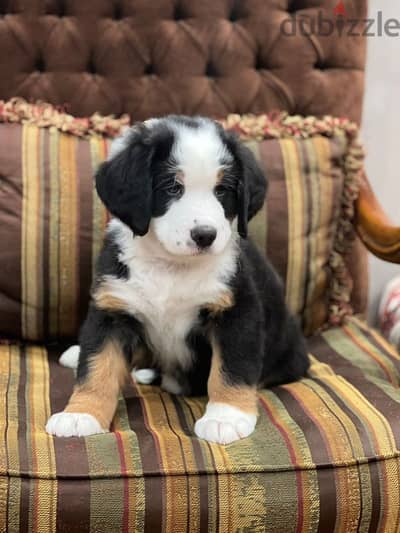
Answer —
(151, 57)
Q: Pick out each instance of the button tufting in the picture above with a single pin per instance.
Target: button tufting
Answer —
(39, 65)
(118, 12)
(178, 13)
(259, 63)
(149, 69)
(91, 67)
(61, 8)
(234, 13)
(293, 6)
(215, 57)
(210, 70)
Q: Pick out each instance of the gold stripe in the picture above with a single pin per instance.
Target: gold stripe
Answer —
(320, 241)
(54, 243)
(295, 198)
(43, 507)
(68, 234)
(32, 225)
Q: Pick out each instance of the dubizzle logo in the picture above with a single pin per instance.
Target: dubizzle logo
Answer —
(340, 9)
(341, 23)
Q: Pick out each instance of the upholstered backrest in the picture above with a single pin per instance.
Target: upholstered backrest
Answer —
(212, 57)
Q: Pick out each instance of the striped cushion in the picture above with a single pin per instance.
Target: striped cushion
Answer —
(52, 223)
(325, 453)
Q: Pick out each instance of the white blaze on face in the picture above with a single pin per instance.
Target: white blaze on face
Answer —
(199, 153)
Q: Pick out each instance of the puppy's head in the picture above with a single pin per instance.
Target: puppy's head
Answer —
(185, 181)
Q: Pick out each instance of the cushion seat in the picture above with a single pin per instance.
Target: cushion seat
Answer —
(325, 454)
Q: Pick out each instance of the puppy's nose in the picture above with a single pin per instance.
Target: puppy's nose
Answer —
(203, 236)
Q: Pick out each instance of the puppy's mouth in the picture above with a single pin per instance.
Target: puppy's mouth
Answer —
(194, 250)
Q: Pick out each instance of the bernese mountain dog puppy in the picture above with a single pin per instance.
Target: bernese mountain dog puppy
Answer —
(179, 288)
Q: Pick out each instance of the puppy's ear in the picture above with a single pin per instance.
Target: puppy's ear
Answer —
(252, 187)
(124, 183)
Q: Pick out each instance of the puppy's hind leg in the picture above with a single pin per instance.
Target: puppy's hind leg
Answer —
(70, 358)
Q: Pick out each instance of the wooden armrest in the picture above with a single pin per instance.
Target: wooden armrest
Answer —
(375, 229)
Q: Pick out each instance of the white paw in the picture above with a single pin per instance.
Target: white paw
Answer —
(170, 384)
(224, 424)
(70, 357)
(73, 425)
(145, 376)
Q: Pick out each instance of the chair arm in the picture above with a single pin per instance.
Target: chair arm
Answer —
(374, 228)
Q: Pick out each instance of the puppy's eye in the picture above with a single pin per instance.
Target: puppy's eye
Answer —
(219, 191)
(176, 189)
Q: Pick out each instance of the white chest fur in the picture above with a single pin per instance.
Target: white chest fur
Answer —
(165, 296)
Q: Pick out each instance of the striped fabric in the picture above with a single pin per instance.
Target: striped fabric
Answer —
(52, 224)
(324, 456)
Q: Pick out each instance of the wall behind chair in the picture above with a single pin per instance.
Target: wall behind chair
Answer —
(381, 134)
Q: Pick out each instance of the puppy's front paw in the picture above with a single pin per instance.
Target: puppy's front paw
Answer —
(73, 425)
(223, 423)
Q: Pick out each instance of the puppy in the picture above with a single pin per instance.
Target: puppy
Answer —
(179, 287)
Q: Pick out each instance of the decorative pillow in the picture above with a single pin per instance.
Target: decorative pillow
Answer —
(313, 166)
(52, 223)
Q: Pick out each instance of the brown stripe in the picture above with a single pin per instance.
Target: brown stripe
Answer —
(319, 453)
(277, 197)
(374, 469)
(11, 230)
(149, 455)
(307, 214)
(203, 485)
(154, 490)
(85, 186)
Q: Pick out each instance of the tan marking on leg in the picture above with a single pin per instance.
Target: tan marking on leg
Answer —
(220, 391)
(225, 301)
(106, 301)
(98, 394)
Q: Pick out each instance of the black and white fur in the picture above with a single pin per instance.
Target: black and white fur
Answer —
(165, 179)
